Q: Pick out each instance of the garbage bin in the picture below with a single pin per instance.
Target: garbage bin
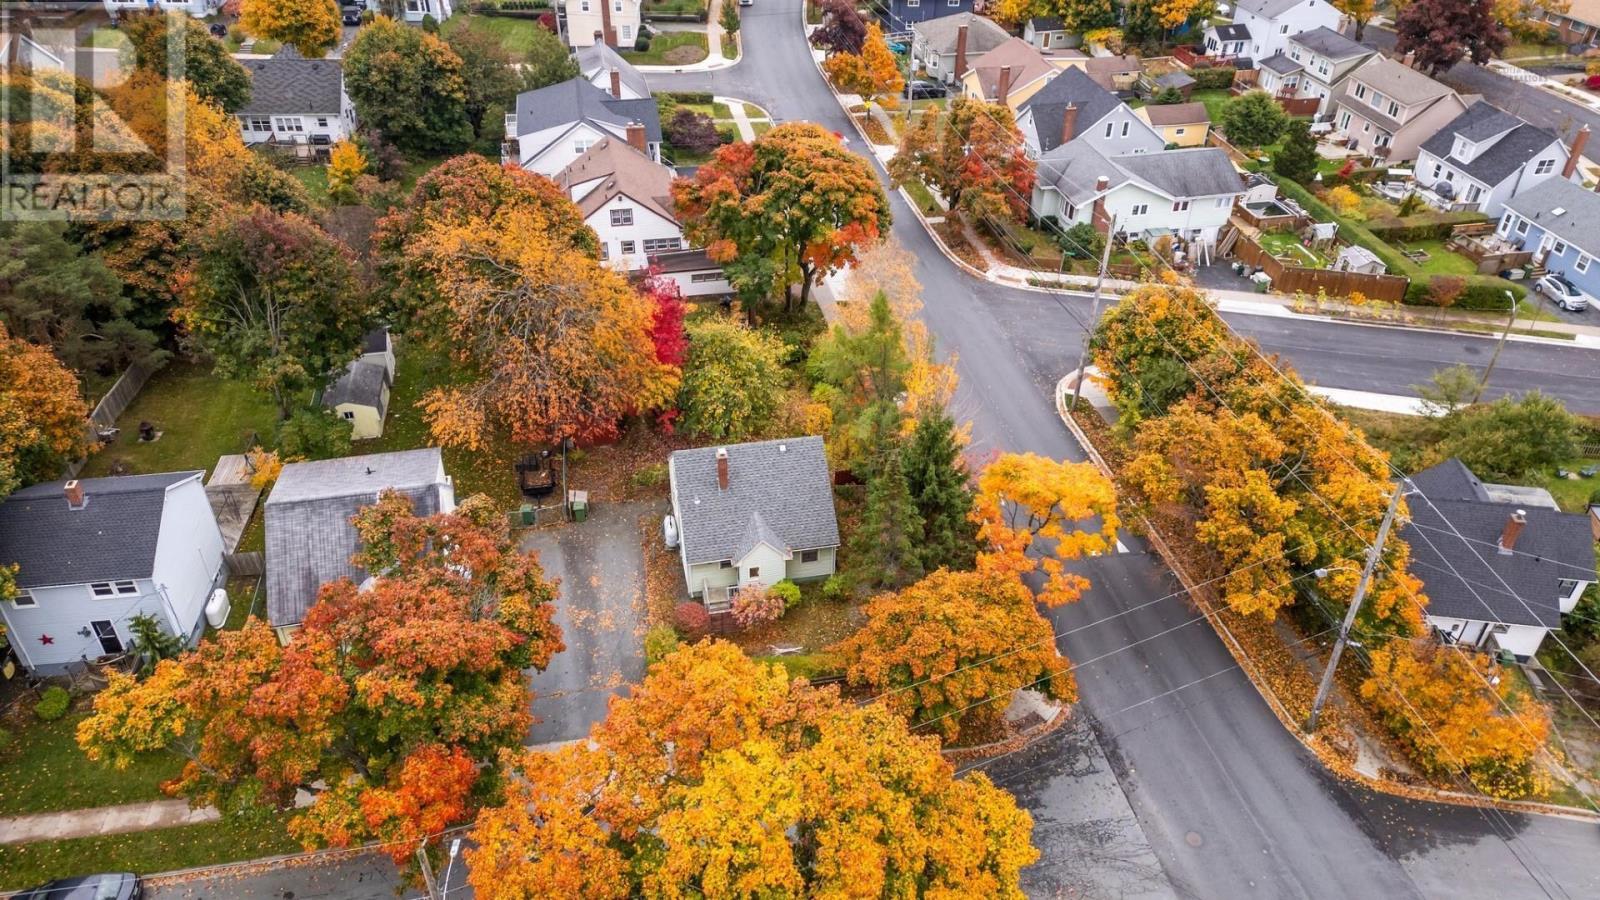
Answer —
(526, 513)
(578, 505)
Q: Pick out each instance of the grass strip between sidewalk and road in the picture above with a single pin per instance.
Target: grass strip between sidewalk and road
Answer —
(143, 852)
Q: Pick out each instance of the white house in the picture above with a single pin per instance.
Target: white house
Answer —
(1049, 33)
(755, 513)
(613, 22)
(607, 70)
(555, 125)
(414, 11)
(197, 8)
(297, 102)
(1314, 65)
(309, 536)
(1262, 28)
(695, 273)
(1187, 193)
(1484, 157)
(1500, 564)
(626, 197)
(941, 47)
(93, 553)
(1073, 107)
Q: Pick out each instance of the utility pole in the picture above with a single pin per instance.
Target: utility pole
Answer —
(1094, 317)
(1373, 554)
(427, 871)
(1484, 384)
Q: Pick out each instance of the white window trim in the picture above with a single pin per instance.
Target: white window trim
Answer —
(100, 590)
(1544, 167)
(622, 218)
(1582, 265)
(24, 599)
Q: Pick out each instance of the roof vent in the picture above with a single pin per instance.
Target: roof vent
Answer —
(783, 448)
(1559, 211)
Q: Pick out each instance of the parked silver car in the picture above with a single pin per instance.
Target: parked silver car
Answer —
(1562, 293)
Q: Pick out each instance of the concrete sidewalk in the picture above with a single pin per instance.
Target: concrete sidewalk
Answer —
(103, 820)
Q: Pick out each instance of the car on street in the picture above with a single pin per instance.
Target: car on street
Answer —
(926, 90)
(218, 30)
(1562, 293)
(350, 13)
(107, 886)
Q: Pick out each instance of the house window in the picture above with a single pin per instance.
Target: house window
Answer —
(1221, 202)
(952, 3)
(627, 247)
(1505, 224)
(1344, 122)
(1180, 206)
(1437, 169)
(657, 245)
(350, 415)
(1544, 167)
(258, 123)
(627, 33)
(1180, 131)
(322, 121)
(417, 6)
(1361, 92)
(913, 3)
(705, 277)
(113, 588)
(1394, 109)
(755, 572)
(1566, 585)
(24, 599)
(810, 556)
(582, 145)
(1559, 248)
(726, 564)
(107, 633)
(288, 123)
(1283, 29)
(1109, 126)
(616, 6)
(583, 5)
(1473, 193)
(1124, 129)
(605, 250)
(620, 217)
(1583, 263)
(1139, 209)
(1522, 227)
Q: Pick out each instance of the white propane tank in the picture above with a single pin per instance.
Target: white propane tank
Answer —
(669, 532)
(217, 608)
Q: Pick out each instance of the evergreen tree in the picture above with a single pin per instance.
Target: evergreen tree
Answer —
(1297, 159)
(883, 550)
(937, 479)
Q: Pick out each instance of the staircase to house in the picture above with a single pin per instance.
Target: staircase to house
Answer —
(719, 600)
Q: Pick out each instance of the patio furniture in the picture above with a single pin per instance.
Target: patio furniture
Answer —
(1588, 471)
(1562, 473)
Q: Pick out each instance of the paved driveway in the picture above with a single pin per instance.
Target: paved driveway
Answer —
(601, 613)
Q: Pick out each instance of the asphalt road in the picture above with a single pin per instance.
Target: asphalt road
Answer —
(1230, 804)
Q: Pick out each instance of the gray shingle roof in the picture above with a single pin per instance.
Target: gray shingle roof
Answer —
(1177, 113)
(1233, 31)
(376, 340)
(362, 383)
(1073, 86)
(112, 537)
(1405, 86)
(1267, 9)
(598, 58)
(1579, 221)
(1463, 578)
(1074, 168)
(1519, 143)
(290, 84)
(1192, 172)
(309, 537)
(785, 483)
(1281, 64)
(1324, 41)
(1046, 23)
(576, 99)
(1175, 79)
(940, 34)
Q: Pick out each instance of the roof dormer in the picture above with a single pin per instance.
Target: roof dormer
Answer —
(1463, 149)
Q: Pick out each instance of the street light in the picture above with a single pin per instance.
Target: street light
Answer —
(1484, 384)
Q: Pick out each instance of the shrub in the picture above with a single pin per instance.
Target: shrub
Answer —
(835, 589)
(53, 703)
(1081, 241)
(1219, 78)
(659, 643)
(649, 476)
(1483, 292)
(756, 605)
(1345, 201)
(1167, 97)
(691, 619)
(430, 24)
(1253, 119)
(1424, 227)
(788, 592)
(642, 42)
(692, 131)
(5, 739)
(314, 433)
(237, 34)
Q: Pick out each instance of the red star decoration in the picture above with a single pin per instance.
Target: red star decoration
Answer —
(46, 639)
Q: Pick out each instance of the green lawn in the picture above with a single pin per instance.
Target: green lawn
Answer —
(1286, 246)
(761, 127)
(266, 47)
(1527, 51)
(675, 7)
(1440, 261)
(145, 852)
(1572, 493)
(924, 198)
(315, 179)
(515, 35)
(730, 46)
(1213, 101)
(671, 48)
(43, 771)
(108, 39)
(200, 417)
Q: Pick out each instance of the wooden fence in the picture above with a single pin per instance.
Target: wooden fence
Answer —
(115, 402)
(1298, 106)
(1287, 279)
(241, 565)
(1290, 222)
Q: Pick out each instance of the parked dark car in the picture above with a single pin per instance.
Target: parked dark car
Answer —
(351, 14)
(110, 886)
(218, 30)
(926, 90)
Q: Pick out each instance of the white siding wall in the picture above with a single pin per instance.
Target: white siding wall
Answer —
(711, 573)
(584, 19)
(767, 563)
(714, 283)
(297, 129)
(63, 610)
(197, 8)
(1205, 215)
(647, 225)
(1522, 640)
(1269, 36)
(559, 155)
(188, 554)
(821, 568)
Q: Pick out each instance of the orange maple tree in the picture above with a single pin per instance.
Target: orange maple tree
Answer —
(948, 651)
(42, 413)
(1028, 508)
(384, 706)
(719, 777)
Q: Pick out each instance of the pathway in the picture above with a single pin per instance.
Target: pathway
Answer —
(103, 820)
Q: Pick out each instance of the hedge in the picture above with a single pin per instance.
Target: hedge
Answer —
(1482, 293)
(1436, 227)
(1215, 79)
(687, 96)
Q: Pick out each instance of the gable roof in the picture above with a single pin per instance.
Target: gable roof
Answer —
(1280, 63)
(1074, 168)
(1072, 86)
(620, 169)
(598, 58)
(309, 536)
(577, 100)
(940, 34)
(1404, 85)
(289, 84)
(1177, 114)
(362, 384)
(1233, 31)
(1519, 142)
(1190, 172)
(1103, 68)
(1324, 41)
(1462, 574)
(778, 491)
(1027, 66)
(113, 536)
(1267, 9)
(1046, 23)
(1578, 222)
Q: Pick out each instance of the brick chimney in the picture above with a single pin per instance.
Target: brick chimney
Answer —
(636, 137)
(722, 468)
(616, 83)
(1410, 60)
(73, 490)
(1514, 525)
(961, 52)
(1578, 143)
(605, 23)
(1100, 219)
(1005, 85)
(1069, 123)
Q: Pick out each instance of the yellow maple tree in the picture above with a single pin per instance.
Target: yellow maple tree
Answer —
(1029, 509)
(874, 73)
(346, 164)
(312, 26)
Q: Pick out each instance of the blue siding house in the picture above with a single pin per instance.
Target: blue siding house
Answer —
(1560, 222)
(900, 15)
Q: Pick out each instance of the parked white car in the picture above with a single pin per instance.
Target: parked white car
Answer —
(1562, 293)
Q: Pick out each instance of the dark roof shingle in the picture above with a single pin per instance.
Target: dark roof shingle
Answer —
(576, 99)
(113, 536)
(291, 84)
(777, 490)
(1518, 143)
(1072, 86)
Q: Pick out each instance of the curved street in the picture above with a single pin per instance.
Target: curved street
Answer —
(1225, 801)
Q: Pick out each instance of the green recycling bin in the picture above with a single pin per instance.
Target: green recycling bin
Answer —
(526, 514)
(578, 505)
